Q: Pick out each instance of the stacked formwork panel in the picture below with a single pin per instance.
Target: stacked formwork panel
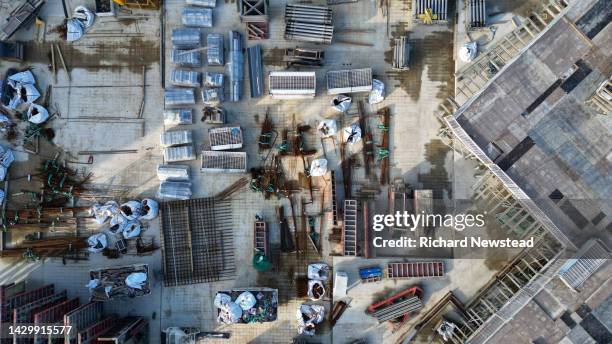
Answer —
(80, 319)
(308, 23)
(91, 333)
(254, 14)
(53, 315)
(24, 315)
(11, 302)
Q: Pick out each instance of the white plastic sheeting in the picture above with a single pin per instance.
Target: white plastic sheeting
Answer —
(173, 172)
(308, 316)
(102, 213)
(316, 290)
(130, 229)
(318, 271)
(341, 103)
(246, 300)
(6, 159)
(131, 210)
(318, 167)
(82, 19)
(97, 243)
(352, 134)
(468, 52)
(340, 284)
(327, 128)
(377, 94)
(149, 209)
(136, 280)
(25, 91)
(37, 114)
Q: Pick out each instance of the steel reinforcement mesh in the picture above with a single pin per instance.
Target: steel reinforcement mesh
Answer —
(197, 241)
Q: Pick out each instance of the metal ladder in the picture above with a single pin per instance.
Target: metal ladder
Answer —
(349, 235)
(260, 239)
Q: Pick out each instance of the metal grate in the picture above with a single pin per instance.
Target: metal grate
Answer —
(225, 138)
(415, 269)
(292, 84)
(349, 233)
(349, 81)
(260, 237)
(586, 262)
(197, 241)
(224, 161)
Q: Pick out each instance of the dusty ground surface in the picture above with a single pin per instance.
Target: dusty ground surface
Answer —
(99, 111)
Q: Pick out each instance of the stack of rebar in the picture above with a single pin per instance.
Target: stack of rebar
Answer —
(309, 23)
(396, 310)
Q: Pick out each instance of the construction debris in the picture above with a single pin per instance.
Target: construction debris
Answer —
(117, 283)
(250, 305)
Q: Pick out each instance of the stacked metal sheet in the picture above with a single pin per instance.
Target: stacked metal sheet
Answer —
(173, 172)
(197, 17)
(477, 14)
(438, 8)
(187, 78)
(178, 116)
(292, 85)
(212, 96)
(176, 138)
(256, 71)
(214, 79)
(202, 3)
(349, 81)
(225, 138)
(401, 54)
(179, 97)
(214, 49)
(180, 153)
(186, 38)
(223, 162)
(175, 190)
(186, 58)
(309, 23)
(235, 66)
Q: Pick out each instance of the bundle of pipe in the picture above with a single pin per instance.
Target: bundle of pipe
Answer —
(401, 54)
(235, 65)
(309, 23)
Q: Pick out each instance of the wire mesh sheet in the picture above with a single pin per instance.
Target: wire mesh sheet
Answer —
(197, 241)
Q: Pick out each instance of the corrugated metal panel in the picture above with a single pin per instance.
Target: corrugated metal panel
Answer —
(187, 78)
(175, 190)
(198, 17)
(178, 116)
(215, 53)
(181, 153)
(349, 81)
(173, 172)
(292, 84)
(186, 38)
(186, 58)
(236, 66)
(202, 3)
(179, 96)
(256, 71)
(222, 162)
(176, 137)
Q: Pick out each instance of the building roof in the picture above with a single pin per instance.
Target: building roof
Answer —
(534, 121)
